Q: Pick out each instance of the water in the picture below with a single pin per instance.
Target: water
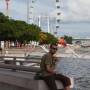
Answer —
(74, 29)
(77, 68)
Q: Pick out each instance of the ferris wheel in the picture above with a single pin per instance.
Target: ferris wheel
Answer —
(30, 11)
(58, 13)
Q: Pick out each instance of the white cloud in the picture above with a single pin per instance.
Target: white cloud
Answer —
(70, 9)
(74, 10)
(77, 10)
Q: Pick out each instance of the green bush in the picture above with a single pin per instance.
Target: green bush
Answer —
(68, 39)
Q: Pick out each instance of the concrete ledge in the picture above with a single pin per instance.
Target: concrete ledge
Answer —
(22, 80)
(5, 86)
(19, 81)
(43, 86)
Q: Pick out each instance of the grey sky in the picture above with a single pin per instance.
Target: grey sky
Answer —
(77, 10)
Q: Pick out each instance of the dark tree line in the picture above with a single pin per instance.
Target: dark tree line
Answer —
(13, 30)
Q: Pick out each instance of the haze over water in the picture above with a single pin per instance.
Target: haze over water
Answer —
(74, 29)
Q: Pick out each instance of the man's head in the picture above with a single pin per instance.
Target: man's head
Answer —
(53, 48)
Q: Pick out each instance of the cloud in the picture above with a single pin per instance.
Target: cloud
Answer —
(72, 10)
(2, 6)
(44, 7)
(76, 10)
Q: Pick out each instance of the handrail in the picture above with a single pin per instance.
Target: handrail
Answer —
(11, 64)
(21, 59)
(21, 68)
(28, 57)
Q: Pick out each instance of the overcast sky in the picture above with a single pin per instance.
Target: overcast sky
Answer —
(73, 10)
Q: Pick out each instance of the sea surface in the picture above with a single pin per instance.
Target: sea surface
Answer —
(74, 29)
(77, 68)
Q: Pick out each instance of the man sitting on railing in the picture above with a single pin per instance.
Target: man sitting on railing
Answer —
(47, 66)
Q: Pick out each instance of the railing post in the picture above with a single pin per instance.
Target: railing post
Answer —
(14, 63)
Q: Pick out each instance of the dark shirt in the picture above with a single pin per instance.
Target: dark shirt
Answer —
(47, 59)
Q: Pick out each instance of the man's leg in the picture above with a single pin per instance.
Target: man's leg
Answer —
(50, 81)
(65, 81)
(67, 88)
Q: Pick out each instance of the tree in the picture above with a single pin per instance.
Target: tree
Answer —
(68, 39)
(3, 18)
(16, 30)
(47, 38)
(42, 38)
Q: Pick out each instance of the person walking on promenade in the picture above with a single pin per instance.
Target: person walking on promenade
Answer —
(62, 42)
(47, 66)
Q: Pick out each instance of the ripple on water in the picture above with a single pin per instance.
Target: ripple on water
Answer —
(77, 68)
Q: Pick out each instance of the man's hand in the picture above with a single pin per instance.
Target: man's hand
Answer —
(51, 69)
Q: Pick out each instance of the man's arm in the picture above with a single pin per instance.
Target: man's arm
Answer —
(50, 69)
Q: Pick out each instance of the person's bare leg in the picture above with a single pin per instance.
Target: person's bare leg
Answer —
(67, 88)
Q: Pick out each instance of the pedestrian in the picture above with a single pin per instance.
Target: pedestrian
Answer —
(62, 42)
(49, 74)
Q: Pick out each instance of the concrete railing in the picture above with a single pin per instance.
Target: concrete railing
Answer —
(31, 59)
(20, 79)
(23, 81)
(11, 63)
(20, 68)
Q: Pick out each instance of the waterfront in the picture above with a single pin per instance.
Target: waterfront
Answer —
(69, 64)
